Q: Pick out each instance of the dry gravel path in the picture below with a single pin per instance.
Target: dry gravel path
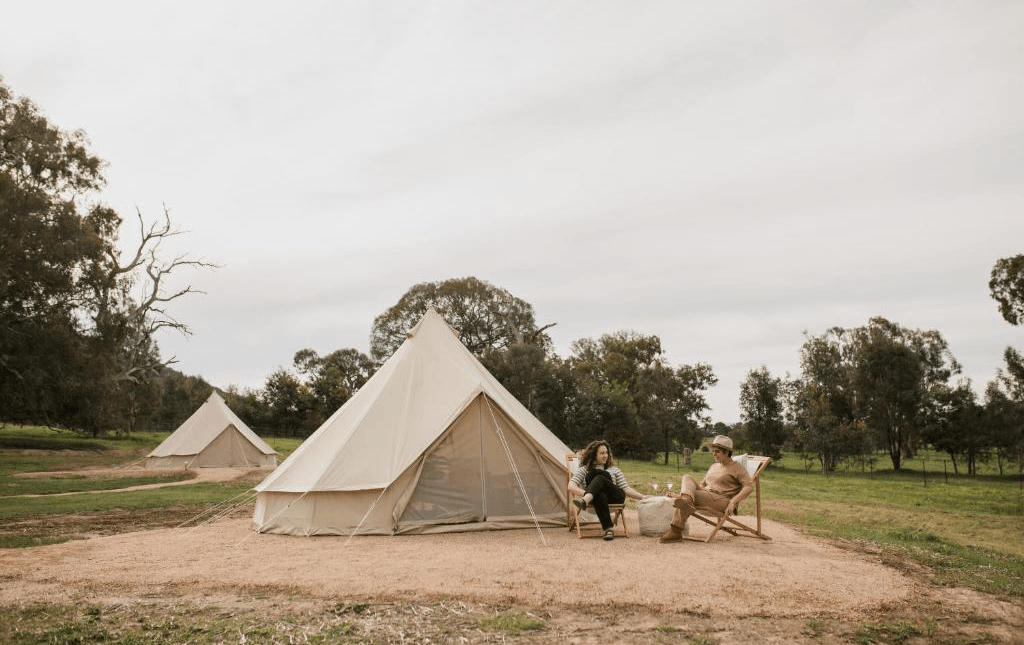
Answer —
(199, 475)
(791, 576)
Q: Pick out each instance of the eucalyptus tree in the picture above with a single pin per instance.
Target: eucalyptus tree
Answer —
(762, 409)
(874, 378)
(1006, 285)
(654, 403)
(49, 240)
(485, 316)
(539, 379)
(893, 368)
(1004, 405)
(1005, 418)
(956, 424)
(672, 404)
(334, 378)
(821, 402)
(289, 404)
(1005, 395)
(78, 317)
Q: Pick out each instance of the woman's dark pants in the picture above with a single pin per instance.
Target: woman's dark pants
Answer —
(605, 492)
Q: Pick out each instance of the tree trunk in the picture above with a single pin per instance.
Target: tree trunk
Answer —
(895, 440)
(133, 409)
(896, 455)
(668, 445)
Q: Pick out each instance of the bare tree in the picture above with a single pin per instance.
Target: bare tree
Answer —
(131, 323)
(143, 317)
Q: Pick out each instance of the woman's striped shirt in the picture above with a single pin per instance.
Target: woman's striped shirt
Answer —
(579, 476)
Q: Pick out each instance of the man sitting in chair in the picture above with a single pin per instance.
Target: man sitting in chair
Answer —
(726, 484)
(598, 482)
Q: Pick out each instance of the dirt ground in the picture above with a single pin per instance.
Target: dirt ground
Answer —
(742, 590)
(197, 475)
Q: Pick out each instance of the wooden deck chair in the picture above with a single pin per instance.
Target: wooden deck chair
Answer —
(720, 521)
(583, 526)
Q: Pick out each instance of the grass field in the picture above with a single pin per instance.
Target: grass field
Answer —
(963, 530)
(32, 521)
(966, 530)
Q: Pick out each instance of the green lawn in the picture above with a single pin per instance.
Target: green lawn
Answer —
(67, 453)
(39, 438)
(35, 461)
(10, 486)
(284, 445)
(195, 494)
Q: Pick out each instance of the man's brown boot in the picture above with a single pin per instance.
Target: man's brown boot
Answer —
(682, 501)
(673, 534)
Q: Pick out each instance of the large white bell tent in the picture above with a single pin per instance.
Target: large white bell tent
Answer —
(212, 437)
(431, 443)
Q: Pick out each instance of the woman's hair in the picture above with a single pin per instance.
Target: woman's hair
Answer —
(590, 454)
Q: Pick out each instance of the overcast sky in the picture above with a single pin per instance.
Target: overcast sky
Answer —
(724, 175)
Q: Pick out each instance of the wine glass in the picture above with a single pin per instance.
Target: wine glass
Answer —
(669, 484)
(654, 484)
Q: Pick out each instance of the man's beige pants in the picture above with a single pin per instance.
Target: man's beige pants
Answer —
(701, 497)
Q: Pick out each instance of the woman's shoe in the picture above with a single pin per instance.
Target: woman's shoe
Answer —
(609, 535)
(580, 503)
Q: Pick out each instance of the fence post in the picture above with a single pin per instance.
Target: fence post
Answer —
(945, 473)
(924, 471)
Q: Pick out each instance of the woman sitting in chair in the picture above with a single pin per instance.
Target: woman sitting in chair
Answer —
(598, 482)
(726, 484)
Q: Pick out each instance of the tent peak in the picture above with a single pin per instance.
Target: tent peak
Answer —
(431, 318)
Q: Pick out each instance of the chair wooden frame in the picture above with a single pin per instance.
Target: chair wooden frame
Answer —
(589, 528)
(728, 523)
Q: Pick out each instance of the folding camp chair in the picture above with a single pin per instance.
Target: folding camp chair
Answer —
(580, 520)
(729, 523)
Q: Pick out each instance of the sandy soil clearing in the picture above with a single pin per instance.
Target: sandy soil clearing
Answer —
(790, 576)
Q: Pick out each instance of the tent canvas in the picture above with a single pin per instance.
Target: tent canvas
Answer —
(212, 437)
(431, 443)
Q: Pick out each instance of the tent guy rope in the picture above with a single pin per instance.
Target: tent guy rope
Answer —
(515, 470)
(213, 508)
(274, 517)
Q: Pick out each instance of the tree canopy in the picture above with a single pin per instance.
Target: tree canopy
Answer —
(868, 386)
(485, 316)
(762, 409)
(626, 390)
(74, 342)
(1006, 286)
(334, 378)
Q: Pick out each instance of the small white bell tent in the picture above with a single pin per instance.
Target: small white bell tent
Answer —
(431, 443)
(213, 437)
